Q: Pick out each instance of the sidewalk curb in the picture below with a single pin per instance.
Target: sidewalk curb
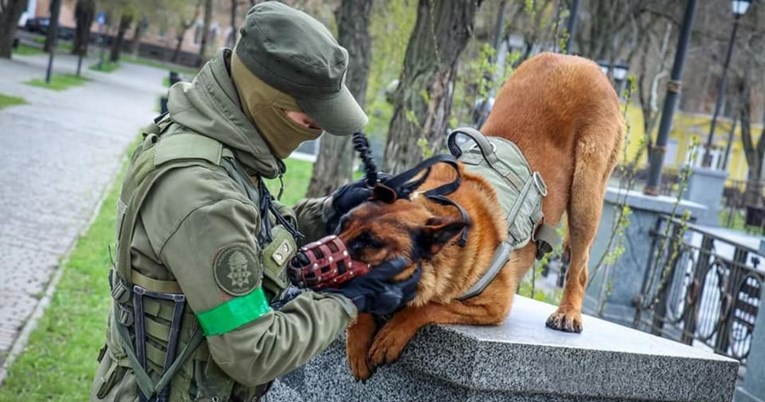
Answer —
(20, 343)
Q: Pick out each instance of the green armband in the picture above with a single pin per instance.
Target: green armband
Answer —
(234, 313)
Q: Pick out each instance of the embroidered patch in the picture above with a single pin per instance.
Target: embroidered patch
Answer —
(236, 270)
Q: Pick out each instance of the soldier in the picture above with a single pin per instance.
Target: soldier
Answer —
(201, 309)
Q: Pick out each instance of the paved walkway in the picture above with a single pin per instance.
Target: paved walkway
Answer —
(57, 155)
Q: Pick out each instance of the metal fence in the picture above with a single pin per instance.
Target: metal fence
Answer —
(701, 288)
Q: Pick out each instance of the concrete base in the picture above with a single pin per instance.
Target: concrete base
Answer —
(625, 278)
(522, 360)
(705, 187)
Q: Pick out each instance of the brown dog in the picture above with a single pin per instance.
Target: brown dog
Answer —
(563, 114)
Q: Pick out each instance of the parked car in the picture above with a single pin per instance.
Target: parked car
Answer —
(41, 25)
(37, 24)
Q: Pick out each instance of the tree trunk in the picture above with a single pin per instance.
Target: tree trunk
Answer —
(125, 20)
(138, 32)
(231, 40)
(205, 31)
(334, 165)
(84, 12)
(178, 44)
(10, 12)
(423, 101)
(183, 28)
(754, 152)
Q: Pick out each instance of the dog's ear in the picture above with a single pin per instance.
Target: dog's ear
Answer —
(437, 231)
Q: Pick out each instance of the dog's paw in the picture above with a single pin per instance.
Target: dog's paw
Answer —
(565, 319)
(360, 367)
(387, 346)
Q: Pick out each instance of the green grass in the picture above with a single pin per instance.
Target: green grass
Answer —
(59, 361)
(26, 50)
(106, 67)
(61, 45)
(295, 181)
(59, 82)
(8, 100)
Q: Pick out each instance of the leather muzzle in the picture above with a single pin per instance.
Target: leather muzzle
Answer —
(325, 263)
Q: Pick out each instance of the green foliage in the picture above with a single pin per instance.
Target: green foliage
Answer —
(425, 149)
(59, 82)
(390, 27)
(475, 79)
(8, 100)
(528, 286)
(105, 67)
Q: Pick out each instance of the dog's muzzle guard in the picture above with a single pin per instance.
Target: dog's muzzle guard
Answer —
(325, 263)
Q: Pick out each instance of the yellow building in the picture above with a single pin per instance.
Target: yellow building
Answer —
(685, 127)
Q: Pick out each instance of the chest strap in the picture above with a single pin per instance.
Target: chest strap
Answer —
(498, 260)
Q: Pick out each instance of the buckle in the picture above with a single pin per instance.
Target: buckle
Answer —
(539, 183)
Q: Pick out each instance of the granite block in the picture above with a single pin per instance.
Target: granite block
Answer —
(522, 360)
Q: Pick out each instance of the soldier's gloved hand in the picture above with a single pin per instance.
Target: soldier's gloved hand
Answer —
(348, 197)
(377, 292)
(352, 194)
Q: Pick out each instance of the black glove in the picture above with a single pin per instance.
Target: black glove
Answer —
(348, 197)
(377, 292)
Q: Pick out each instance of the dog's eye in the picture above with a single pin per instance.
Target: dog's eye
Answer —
(365, 241)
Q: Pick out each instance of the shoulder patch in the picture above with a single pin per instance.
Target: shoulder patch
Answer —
(236, 270)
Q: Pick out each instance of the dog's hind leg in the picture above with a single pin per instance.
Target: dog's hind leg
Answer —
(357, 344)
(593, 165)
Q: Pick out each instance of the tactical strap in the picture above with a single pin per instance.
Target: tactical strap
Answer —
(498, 260)
(155, 285)
(487, 151)
(544, 235)
(148, 388)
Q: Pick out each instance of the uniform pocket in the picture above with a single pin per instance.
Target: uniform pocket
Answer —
(276, 256)
(109, 373)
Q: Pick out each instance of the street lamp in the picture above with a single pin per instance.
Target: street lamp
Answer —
(739, 8)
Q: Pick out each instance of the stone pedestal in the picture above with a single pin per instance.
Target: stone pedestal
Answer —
(705, 187)
(752, 389)
(522, 360)
(628, 272)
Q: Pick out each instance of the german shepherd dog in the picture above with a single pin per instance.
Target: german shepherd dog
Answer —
(563, 114)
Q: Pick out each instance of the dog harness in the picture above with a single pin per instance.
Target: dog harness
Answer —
(519, 190)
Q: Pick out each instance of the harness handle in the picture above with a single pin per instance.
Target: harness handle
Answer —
(486, 148)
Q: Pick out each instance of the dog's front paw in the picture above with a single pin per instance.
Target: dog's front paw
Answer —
(388, 345)
(357, 343)
(565, 319)
(360, 366)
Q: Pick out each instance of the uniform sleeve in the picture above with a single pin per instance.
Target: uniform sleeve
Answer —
(215, 259)
(312, 216)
